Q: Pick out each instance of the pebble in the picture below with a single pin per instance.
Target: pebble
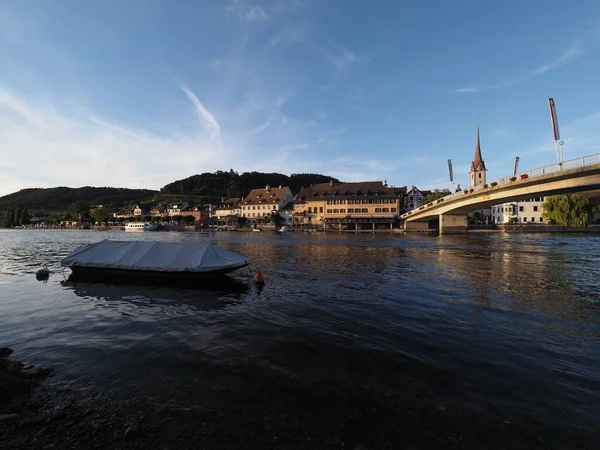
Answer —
(131, 430)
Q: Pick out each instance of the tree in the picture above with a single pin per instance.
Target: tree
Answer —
(241, 221)
(147, 218)
(275, 219)
(178, 218)
(10, 219)
(99, 215)
(189, 219)
(17, 216)
(25, 217)
(571, 210)
(436, 194)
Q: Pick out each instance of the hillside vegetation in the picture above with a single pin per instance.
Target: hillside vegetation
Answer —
(64, 198)
(203, 188)
(231, 184)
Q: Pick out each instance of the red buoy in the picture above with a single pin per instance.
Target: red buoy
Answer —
(259, 278)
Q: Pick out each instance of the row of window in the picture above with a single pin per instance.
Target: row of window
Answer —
(377, 201)
(360, 210)
(523, 219)
(259, 207)
(510, 209)
(313, 209)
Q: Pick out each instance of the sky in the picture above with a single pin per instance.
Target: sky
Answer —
(140, 93)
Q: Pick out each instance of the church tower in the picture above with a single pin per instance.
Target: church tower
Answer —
(478, 169)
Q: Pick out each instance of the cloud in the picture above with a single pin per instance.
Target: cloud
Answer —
(337, 55)
(207, 117)
(573, 52)
(255, 13)
(246, 12)
(44, 145)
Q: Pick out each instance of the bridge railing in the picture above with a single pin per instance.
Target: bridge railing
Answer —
(583, 161)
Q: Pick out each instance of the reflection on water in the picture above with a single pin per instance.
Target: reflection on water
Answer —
(206, 294)
(497, 328)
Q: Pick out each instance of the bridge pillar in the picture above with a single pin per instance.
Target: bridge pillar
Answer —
(453, 223)
(415, 226)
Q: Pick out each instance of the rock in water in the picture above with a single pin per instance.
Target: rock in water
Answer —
(42, 274)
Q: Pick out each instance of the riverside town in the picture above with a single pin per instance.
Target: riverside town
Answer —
(299, 225)
(367, 206)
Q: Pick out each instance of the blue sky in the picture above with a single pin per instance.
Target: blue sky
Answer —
(139, 93)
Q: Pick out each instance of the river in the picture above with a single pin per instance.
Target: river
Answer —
(356, 341)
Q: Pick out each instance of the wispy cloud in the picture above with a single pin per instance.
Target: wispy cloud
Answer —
(337, 55)
(247, 12)
(256, 13)
(206, 116)
(576, 50)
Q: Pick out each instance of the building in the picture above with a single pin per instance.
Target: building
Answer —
(413, 198)
(141, 210)
(260, 203)
(123, 214)
(177, 208)
(353, 206)
(227, 212)
(526, 211)
(478, 170)
(200, 213)
(287, 213)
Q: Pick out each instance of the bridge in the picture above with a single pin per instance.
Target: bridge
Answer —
(576, 175)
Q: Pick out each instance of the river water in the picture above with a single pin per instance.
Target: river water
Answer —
(380, 341)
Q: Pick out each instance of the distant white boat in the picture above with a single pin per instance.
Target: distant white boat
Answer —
(256, 229)
(140, 226)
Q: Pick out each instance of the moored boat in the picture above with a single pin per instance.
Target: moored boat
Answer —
(155, 259)
(140, 226)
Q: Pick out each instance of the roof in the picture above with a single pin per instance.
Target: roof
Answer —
(319, 191)
(288, 205)
(142, 206)
(229, 203)
(478, 164)
(265, 196)
(399, 190)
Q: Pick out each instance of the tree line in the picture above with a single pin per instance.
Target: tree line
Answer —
(231, 184)
(14, 217)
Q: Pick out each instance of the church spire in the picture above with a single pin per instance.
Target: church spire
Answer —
(478, 164)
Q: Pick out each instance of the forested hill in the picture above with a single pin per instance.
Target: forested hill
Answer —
(231, 184)
(63, 198)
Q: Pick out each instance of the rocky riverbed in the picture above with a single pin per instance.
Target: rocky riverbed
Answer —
(36, 413)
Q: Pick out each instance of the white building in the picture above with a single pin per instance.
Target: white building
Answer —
(260, 203)
(287, 213)
(526, 211)
(228, 208)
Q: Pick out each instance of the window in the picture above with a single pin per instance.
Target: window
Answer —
(535, 208)
(342, 211)
(521, 208)
(385, 210)
(377, 210)
(524, 219)
(533, 219)
(350, 210)
(274, 206)
(541, 219)
(365, 210)
(393, 209)
(321, 209)
(480, 175)
(336, 211)
(328, 211)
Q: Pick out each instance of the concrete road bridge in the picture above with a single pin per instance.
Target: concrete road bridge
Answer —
(576, 175)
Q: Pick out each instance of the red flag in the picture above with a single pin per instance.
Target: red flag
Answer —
(554, 119)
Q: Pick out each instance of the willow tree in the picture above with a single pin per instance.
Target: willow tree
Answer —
(571, 210)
